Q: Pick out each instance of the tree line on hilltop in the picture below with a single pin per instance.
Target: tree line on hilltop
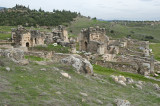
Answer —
(21, 15)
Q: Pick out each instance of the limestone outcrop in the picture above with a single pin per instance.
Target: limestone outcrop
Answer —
(79, 63)
(15, 54)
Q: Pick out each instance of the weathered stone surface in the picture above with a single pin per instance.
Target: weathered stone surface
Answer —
(66, 75)
(122, 78)
(156, 75)
(59, 93)
(156, 86)
(79, 63)
(8, 69)
(23, 62)
(15, 54)
(83, 94)
(122, 83)
(138, 86)
(99, 102)
(158, 72)
(43, 69)
(129, 80)
(120, 102)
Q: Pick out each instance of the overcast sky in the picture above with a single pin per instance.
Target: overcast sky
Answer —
(102, 9)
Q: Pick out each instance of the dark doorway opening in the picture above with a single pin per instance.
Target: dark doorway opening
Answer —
(35, 41)
(86, 46)
(27, 44)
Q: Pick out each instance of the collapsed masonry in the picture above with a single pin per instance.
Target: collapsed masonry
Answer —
(58, 35)
(122, 54)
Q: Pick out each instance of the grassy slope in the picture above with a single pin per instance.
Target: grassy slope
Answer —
(156, 50)
(136, 30)
(28, 85)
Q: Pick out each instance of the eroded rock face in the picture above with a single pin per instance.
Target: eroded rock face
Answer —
(15, 54)
(79, 63)
(120, 102)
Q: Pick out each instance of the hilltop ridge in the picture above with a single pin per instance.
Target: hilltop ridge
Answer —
(21, 15)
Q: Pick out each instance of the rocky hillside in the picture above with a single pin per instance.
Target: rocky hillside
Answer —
(47, 82)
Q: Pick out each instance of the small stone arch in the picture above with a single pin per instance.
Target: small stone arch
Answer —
(27, 44)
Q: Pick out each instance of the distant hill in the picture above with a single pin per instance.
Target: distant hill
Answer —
(21, 15)
(2, 8)
(141, 30)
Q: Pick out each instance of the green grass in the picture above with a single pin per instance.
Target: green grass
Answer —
(135, 30)
(6, 28)
(28, 85)
(156, 50)
(58, 48)
(4, 36)
(80, 23)
(34, 58)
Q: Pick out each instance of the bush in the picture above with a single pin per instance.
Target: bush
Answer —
(112, 31)
(149, 37)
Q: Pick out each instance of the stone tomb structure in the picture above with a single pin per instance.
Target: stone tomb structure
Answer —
(94, 40)
(27, 38)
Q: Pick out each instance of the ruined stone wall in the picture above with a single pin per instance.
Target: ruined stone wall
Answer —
(65, 36)
(49, 38)
(57, 57)
(93, 46)
(122, 66)
(47, 55)
(109, 57)
(60, 34)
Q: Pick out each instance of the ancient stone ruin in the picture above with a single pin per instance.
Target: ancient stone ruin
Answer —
(27, 38)
(121, 54)
(58, 35)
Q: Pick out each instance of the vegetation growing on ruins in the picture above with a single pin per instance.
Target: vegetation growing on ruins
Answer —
(21, 15)
(58, 48)
(34, 58)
